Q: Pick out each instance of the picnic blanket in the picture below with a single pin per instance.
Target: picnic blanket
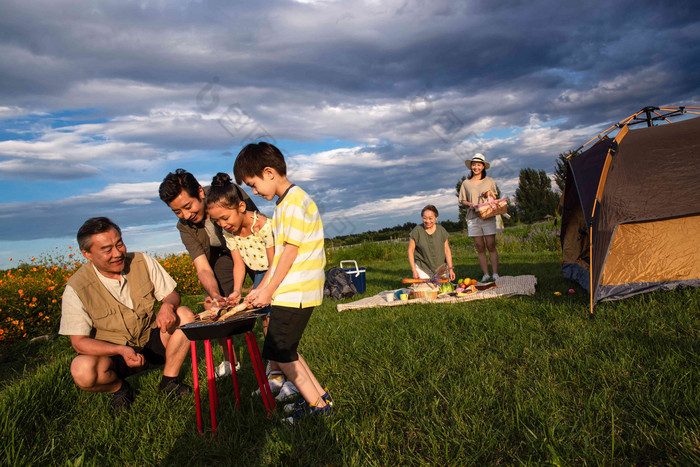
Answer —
(505, 287)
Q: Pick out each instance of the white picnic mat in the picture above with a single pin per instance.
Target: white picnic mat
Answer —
(505, 287)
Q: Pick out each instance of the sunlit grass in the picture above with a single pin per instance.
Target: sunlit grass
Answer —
(520, 380)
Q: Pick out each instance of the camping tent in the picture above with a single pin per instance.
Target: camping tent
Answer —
(631, 209)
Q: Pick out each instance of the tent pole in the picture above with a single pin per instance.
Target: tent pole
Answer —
(590, 268)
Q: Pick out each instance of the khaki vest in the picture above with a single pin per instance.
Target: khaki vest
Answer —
(112, 321)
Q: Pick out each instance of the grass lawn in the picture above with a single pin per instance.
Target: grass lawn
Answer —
(526, 380)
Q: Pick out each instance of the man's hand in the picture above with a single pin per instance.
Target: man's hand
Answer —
(166, 318)
(132, 358)
(217, 300)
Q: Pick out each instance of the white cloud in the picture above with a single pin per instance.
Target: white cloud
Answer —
(10, 111)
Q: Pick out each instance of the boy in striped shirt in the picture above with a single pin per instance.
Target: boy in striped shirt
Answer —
(296, 276)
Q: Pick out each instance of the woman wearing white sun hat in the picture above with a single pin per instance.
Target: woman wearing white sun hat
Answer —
(483, 231)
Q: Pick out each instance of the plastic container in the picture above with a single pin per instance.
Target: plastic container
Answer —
(357, 275)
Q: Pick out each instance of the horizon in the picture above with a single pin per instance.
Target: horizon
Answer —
(374, 105)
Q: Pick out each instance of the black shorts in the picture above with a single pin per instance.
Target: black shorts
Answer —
(284, 333)
(153, 353)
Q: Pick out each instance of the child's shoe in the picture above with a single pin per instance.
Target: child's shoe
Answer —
(301, 403)
(495, 277)
(485, 278)
(287, 391)
(224, 369)
(326, 411)
(276, 381)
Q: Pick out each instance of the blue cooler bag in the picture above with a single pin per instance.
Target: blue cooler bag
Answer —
(357, 275)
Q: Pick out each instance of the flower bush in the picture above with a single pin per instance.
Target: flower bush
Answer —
(182, 270)
(30, 294)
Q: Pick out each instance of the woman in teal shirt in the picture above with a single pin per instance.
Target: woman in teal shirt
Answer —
(428, 247)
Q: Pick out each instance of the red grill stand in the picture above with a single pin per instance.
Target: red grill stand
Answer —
(258, 367)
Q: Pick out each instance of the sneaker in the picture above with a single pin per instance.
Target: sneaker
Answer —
(325, 411)
(122, 398)
(495, 277)
(276, 383)
(287, 391)
(224, 369)
(301, 403)
(485, 278)
(177, 388)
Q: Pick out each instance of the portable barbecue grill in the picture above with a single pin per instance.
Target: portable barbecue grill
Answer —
(236, 324)
(240, 323)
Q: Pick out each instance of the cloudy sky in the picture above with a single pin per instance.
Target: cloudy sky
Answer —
(375, 104)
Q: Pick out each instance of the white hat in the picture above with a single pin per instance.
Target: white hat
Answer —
(478, 157)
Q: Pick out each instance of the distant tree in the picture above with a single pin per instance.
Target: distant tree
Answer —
(463, 210)
(451, 226)
(534, 196)
(513, 213)
(560, 169)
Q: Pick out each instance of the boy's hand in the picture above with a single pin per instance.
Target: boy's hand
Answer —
(260, 297)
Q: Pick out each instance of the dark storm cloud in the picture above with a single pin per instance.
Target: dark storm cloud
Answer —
(404, 83)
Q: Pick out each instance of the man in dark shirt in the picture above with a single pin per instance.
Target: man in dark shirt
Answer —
(203, 238)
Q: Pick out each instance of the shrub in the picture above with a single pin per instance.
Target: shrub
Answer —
(182, 270)
(30, 296)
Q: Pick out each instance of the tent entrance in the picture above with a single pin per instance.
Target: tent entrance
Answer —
(669, 251)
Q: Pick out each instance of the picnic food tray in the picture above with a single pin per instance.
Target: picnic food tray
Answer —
(237, 324)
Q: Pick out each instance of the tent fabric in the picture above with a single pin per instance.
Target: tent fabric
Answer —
(654, 251)
(652, 176)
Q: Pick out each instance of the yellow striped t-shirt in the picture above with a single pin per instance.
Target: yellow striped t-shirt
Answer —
(296, 221)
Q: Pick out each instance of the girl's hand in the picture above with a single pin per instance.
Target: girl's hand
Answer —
(415, 275)
(452, 274)
(234, 298)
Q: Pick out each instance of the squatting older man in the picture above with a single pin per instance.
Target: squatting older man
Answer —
(108, 312)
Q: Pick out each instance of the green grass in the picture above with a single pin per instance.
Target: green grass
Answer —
(528, 380)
